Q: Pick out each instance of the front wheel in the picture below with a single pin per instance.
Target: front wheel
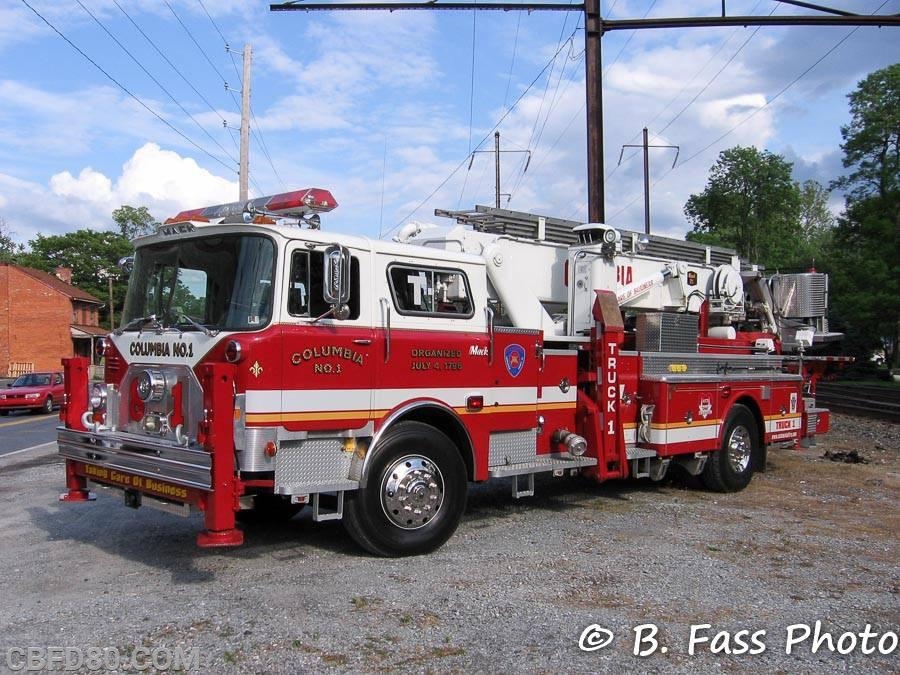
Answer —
(730, 468)
(47, 408)
(414, 496)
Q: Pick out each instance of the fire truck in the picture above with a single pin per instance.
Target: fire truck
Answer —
(263, 364)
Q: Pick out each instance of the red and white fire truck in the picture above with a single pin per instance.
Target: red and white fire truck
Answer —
(263, 363)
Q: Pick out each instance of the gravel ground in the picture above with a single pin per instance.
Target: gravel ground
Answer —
(810, 540)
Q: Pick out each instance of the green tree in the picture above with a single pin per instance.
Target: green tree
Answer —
(85, 252)
(866, 250)
(134, 222)
(816, 222)
(8, 248)
(750, 204)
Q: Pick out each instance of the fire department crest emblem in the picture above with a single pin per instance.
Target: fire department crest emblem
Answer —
(514, 358)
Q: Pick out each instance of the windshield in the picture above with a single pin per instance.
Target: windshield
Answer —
(220, 283)
(32, 380)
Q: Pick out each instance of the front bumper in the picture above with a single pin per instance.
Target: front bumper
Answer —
(10, 406)
(138, 456)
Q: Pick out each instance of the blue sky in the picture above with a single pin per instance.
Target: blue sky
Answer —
(384, 109)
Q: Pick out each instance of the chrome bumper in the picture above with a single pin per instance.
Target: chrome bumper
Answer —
(138, 455)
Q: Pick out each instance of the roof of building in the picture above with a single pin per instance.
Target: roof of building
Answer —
(57, 285)
(81, 330)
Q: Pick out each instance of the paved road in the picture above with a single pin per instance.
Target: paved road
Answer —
(22, 430)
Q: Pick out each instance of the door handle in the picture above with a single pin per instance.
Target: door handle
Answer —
(362, 341)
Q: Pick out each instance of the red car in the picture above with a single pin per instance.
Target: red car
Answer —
(39, 392)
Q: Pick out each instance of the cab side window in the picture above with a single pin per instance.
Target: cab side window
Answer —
(305, 285)
(430, 291)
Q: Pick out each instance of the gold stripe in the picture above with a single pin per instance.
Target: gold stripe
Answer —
(28, 420)
(259, 418)
(685, 425)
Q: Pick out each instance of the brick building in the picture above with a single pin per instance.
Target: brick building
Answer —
(44, 318)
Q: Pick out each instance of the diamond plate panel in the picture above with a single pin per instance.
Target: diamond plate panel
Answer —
(801, 296)
(301, 466)
(512, 447)
(666, 332)
(712, 364)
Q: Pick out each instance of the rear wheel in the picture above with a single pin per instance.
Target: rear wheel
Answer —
(414, 496)
(730, 468)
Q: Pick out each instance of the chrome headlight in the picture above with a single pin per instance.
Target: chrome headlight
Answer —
(98, 397)
(151, 385)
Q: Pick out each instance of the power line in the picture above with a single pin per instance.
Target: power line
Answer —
(560, 43)
(697, 74)
(255, 132)
(535, 138)
(166, 58)
(150, 75)
(657, 134)
(203, 52)
(494, 128)
(124, 88)
(554, 102)
(513, 60)
(631, 35)
(472, 83)
(757, 110)
(212, 21)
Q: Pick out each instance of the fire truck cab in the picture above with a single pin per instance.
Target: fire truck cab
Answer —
(264, 364)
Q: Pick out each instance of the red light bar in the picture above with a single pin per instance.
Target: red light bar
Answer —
(296, 203)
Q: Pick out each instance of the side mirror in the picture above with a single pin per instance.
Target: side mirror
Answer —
(336, 286)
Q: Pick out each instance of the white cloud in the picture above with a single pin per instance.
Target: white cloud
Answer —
(90, 186)
(161, 177)
(161, 180)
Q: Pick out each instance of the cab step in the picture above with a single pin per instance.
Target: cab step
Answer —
(557, 463)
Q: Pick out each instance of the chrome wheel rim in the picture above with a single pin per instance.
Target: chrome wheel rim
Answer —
(739, 449)
(412, 492)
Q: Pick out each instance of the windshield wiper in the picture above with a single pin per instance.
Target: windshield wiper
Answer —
(196, 324)
(139, 323)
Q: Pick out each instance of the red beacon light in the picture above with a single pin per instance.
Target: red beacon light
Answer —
(297, 204)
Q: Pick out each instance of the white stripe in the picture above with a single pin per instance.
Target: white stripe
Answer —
(314, 400)
(33, 447)
(708, 432)
(262, 401)
(795, 424)
(553, 394)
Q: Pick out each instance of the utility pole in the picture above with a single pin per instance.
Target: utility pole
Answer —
(646, 146)
(593, 76)
(104, 273)
(497, 151)
(497, 169)
(244, 171)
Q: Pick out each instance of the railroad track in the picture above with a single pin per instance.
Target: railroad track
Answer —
(864, 400)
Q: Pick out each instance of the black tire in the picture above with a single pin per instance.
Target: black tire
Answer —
(4, 413)
(414, 496)
(730, 468)
(47, 408)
